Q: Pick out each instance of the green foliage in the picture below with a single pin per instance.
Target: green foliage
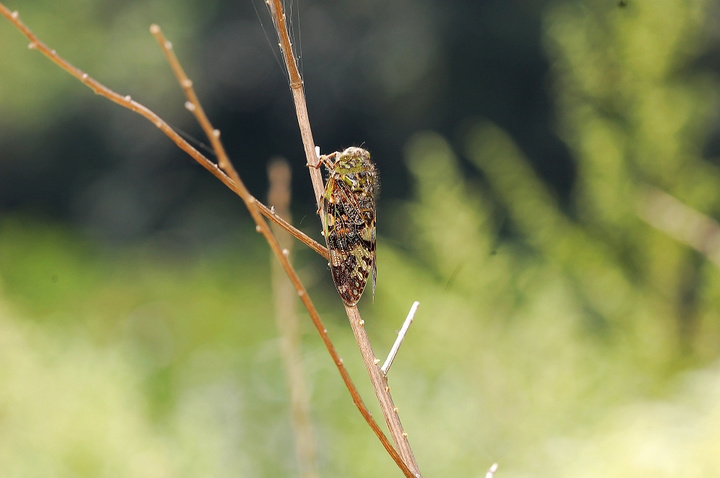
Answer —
(131, 361)
(635, 112)
(574, 318)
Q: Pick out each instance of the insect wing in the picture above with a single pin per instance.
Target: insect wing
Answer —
(350, 235)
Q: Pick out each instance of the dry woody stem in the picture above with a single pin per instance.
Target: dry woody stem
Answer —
(378, 379)
(227, 174)
(251, 204)
(287, 321)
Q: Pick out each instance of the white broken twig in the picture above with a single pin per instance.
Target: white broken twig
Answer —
(401, 336)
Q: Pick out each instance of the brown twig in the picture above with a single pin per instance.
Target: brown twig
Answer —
(289, 228)
(251, 203)
(286, 318)
(225, 172)
(127, 102)
(381, 387)
(377, 378)
(296, 86)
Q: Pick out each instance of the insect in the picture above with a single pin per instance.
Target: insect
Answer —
(349, 221)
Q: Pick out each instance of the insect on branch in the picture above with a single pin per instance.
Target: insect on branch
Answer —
(377, 378)
(227, 174)
(255, 208)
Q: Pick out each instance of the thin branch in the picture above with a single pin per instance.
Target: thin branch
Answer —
(127, 102)
(378, 379)
(238, 187)
(193, 105)
(401, 336)
(298, 234)
(286, 318)
(296, 86)
(381, 388)
(681, 222)
(491, 471)
(251, 203)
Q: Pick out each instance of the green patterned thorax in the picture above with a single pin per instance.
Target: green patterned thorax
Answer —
(349, 226)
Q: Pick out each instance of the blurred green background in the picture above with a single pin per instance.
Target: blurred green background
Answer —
(550, 188)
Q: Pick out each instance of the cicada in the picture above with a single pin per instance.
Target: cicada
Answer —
(349, 221)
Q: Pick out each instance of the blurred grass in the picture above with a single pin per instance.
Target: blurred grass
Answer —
(117, 344)
(159, 359)
(135, 361)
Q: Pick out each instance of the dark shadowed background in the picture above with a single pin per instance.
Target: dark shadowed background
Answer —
(375, 73)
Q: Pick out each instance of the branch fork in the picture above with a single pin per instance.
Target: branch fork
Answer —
(227, 174)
